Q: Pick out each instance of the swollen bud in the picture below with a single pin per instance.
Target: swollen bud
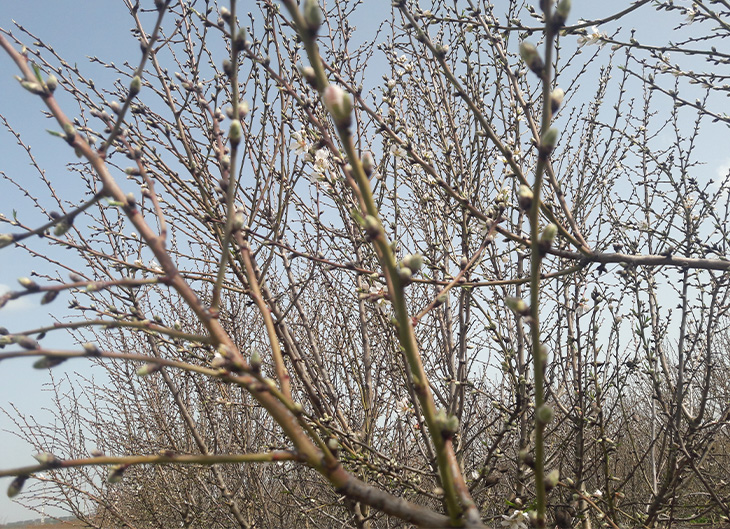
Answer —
(239, 220)
(28, 284)
(556, 99)
(413, 262)
(368, 163)
(517, 305)
(312, 15)
(46, 458)
(373, 227)
(531, 56)
(6, 240)
(235, 133)
(48, 362)
(49, 296)
(51, 83)
(548, 235)
(562, 11)
(255, 360)
(524, 197)
(135, 86)
(544, 414)
(16, 486)
(148, 369)
(552, 479)
(339, 105)
(548, 141)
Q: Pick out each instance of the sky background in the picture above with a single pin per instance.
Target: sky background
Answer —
(101, 27)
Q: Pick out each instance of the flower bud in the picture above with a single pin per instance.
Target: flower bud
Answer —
(47, 362)
(33, 87)
(51, 83)
(6, 240)
(235, 133)
(524, 197)
(372, 226)
(28, 284)
(49, 296)
(548, 141)
(556, 99)
(517, 305)
(548, 235)
(309, 75)
(414, 262)
(339, 105)
(225, 14)
(552, 479)
(240, 41)
(562, 11)
(255, 360)
(544, 414)
(135, 86)
(17, 485)
(531, 56)
(312, 15)
(46, 458)
(90, 349)
(148, 369)
(239, 220)
(368, 163)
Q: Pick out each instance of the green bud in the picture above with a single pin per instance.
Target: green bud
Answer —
(16, 485)
(70, 131)
(28, 284)
(312, 15)
(49, 296)
(405, 274)
(549, 234)
(6, 240)
(544, 414)
(47, 362)
(531, 56)
(552, 479)
(91, 349)
(51, 83)
(414, 262)
(556, 99)
(524, 197)
(255, 360)
(241, 38)
(33, 87)
(309, 75)
(372, 226)
(26, 342)
(517, 305)
(548, 141)
(135, 86)
(46, 458)
(148, 369)
(235, 133)
(562, 11)
(368, 164)
(339, 105)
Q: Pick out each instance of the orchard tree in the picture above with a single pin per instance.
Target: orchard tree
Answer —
(459, 267)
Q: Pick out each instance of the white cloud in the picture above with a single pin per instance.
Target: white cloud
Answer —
(17, 305)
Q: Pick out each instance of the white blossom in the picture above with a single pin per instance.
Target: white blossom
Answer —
(594, 37)
(517, 520)
(299, 143)
(398, 151)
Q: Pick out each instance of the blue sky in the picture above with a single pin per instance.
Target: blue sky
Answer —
(77, 29)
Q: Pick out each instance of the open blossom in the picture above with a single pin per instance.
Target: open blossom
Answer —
(404, 407)
(398, 151)
(321, 162)
(593, 37)
(299, 143)
(517, 520)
